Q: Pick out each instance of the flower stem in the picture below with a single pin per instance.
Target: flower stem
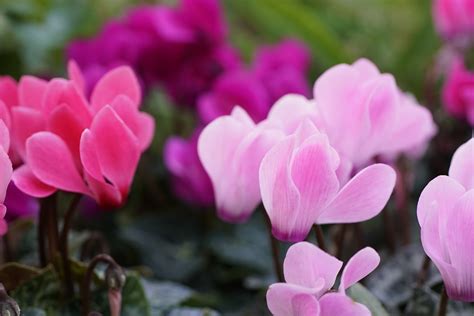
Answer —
(63, 245)
(51, 218)
(85, 287)
(42, 235)
(7, 250)
(443, 303)
(320, 237)
(423, 272)
(401, 199)
(389, 232)
(275, 250)
(340, 240)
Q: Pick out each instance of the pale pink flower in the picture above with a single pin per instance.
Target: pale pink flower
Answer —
(310, 274)
(72, 144)
(446, 217)
(231, 148)
(300, 186)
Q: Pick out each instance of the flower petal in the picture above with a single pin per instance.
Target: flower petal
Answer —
(6, 170)
(119, 81)
(462, 165)
(75, 75)
(25, 122)
(280, 296)
(27, 182)
(118, 159)
(363, 197)
(305, 305)
(341, 305)
(460, 241)
(31, 91)
(359, 266)
(4, 137)
(305, 265)
(52, 163)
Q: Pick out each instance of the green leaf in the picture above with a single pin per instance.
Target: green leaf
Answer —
(134, 299)
(14, 274)
(361, 295)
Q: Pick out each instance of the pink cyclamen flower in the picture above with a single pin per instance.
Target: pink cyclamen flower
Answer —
(70, 143)
(446, 217)
(454, 19)
(310, 274)
(231, 148)
(190, 181)
(300, 186)
(6, 170)
(458, 92)
(361, 109)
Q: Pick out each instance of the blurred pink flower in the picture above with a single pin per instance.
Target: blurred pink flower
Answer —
(70, 143)
(190, 181)
(300, 186)
(19, 204)
(446, 217)
(361, 109)
(231, 148)
(454, 19)
(310, 274)
(458, 92)
(6, 170)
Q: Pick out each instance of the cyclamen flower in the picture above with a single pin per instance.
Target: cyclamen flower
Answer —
(70, 144)
(454, 19)
(155, 41)
(231, 148)
(310, 273)
(458, 92)
(6, 170)
(361, 109)
(190, 181)
(446, 217)
(300, 186)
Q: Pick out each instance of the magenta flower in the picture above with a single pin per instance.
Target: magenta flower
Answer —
(70, 143)
(454, 19)
(458, 92)
(300, 186)
(19, 204)
(282, 68)
(231, 148)
(446, 217)
(189, 179)
(236, 88)
(310, 274)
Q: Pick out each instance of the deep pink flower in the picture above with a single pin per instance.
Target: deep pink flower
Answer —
(6, 170)
(236, 88)
(230, 149)
(454, 19)
(446, 217)
(190, 181)
(458, 92)
(310, 273)
(282, 68)
(70, 143)
(300, 186)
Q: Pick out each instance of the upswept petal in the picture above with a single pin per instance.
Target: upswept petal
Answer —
(25, 121)
(460, 238)
(462, 165)
(118, 159)
(305, 265)
(141, 124)
(280, 296)
(52, 163)
(362, 198)
(4, 137)
(341, 305)
(358, 267)
(27, 182)
(305, 305)
(8, 91)
(31, 91)
(6, 171)
(439, 195)
(121, 80)
(76, 76)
